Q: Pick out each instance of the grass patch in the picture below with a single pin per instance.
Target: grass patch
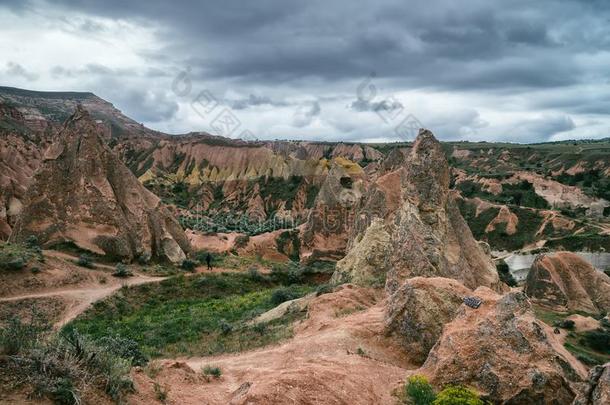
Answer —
(17, 256)
(199, 315)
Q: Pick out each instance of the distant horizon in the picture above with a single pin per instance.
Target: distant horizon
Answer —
(195, 131)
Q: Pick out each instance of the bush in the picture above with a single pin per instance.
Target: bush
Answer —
(254, 274)
(225, 327)
(598, 339)
(32, 241)
(59, 366)
(18, 336)
(125, 348)
(85, 260)
(35, 270)
(209, 371)
(189, 265)
(242, 241)
(566, 324)
(282, 295)
(419, 390)
(505, 275)
(457, 395)
(122, 271)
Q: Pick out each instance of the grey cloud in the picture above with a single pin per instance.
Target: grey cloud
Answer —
(305, 113)
(15, 69)
(388, 105)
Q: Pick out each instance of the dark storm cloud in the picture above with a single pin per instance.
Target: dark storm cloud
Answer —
(474, 47)
(413, 42)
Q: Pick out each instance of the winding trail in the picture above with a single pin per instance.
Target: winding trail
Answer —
(79, 299)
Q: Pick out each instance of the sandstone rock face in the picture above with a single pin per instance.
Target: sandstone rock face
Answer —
(504, 352)
(326, 231)
(84, 194)
(567, 282)
(419, 309)
(599, 379)
(366, 262)
(430, 237)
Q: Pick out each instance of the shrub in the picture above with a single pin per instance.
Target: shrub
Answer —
(598, 339)
(125, 348)
(457, 395)
(85, 260)
(188, 265)
(17, 263)
(324, 289)
(566, 324)
(505, 275)
(32, 241)
(254, 274)
(18, 336)
(209, 371)
(419, 390)
(35, 270)
(122, 271)
(260, 328)
(242, 241)
(225, 327)
(282, 295)
(161, 392)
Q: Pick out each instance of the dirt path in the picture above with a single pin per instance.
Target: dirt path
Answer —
(81, 298)
(74, 259)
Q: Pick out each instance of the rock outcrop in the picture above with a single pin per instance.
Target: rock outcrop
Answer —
(503, 351)
(83, 194)
(598, 390)
(417, 312)
(428, 236)
(366, 263)
(566, 281)
(325, 234)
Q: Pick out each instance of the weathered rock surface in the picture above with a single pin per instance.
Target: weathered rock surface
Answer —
(417, 312)
(598, 392)
(430, 238)
(84, 194)
(325, 234)
(566, 281)
(503, 351)
(366, 262)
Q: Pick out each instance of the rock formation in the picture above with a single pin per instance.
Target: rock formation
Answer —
(83, 194)
(503, 351)
(417, 312)
(365, 263)
(428, 236)
(566, 281)
(325, 234)
(598, 390)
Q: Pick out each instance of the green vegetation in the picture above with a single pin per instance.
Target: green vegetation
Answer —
(419, 390)
(61, 366)
(521, 194)
(504, 273)
(289, 244)
(195, 315)
(210, 371)
(590, 347)
(16, 256)
(457, 395)
(122, 271)
(84, 260)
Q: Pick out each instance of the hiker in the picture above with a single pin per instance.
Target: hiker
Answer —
(208, 260)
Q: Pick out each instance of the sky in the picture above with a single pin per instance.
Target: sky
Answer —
(371, 71)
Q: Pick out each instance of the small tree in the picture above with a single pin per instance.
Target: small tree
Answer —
(419, 390)
(457, 395)
(122, 271)
(85, 260)
(188, 265)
